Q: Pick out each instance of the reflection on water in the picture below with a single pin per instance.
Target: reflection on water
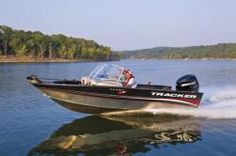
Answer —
(119, 135)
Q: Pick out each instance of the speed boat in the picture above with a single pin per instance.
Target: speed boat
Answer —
(103, 90)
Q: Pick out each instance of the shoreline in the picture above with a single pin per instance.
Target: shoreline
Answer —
(192, 59)
(28, 60)
(44, 61)
(12, 61)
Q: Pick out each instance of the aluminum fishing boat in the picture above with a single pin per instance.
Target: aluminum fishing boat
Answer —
(104, 91)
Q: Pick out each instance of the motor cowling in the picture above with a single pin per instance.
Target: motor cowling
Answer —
(187, 83)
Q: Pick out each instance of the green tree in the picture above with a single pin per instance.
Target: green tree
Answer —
(6, 37)
(38, 45)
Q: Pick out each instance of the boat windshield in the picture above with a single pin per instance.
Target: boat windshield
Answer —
(109, 72)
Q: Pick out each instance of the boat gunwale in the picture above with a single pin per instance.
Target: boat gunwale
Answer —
(51, 82)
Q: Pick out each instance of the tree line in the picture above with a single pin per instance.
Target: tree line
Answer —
(218, 51)
(37, 45)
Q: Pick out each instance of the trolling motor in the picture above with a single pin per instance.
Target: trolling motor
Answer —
(187, 83)
(33, 79)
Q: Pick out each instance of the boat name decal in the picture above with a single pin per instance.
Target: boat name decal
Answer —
(161, 94)
(119, 91)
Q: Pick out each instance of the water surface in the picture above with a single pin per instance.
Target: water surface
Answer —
(29, 120)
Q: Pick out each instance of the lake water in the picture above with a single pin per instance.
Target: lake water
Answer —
(30, 123)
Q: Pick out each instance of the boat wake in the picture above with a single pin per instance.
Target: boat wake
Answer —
(218, 103)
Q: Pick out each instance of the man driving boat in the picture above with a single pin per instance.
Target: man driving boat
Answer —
(129, 79)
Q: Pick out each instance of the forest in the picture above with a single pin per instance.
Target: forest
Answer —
(218, 51)
(28, 45)
(39, 46)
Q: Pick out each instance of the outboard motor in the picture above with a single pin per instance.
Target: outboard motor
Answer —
(187, 83)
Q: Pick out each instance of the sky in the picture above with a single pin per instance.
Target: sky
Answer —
(127, 24)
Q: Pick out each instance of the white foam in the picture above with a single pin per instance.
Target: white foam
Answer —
(218, 103)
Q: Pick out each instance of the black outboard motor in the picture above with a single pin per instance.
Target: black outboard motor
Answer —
(187, 83)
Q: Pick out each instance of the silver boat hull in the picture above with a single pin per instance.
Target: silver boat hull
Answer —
(93, 104)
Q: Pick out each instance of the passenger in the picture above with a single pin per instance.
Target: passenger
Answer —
(129, 79)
